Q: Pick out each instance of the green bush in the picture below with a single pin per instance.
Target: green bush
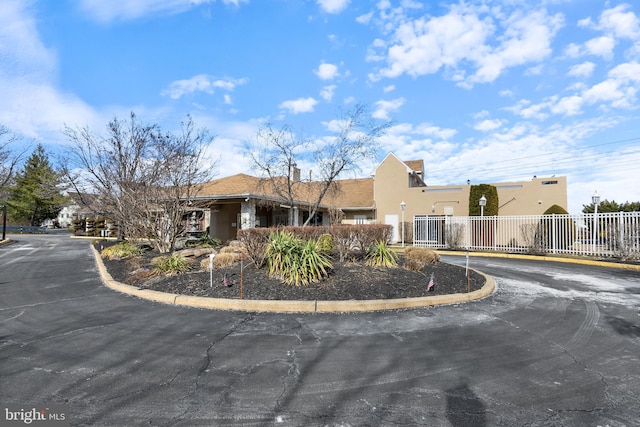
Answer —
(121, 250)
(325, 243)
(295, 261)
(172, 264)
(490, 192)
(379, 255)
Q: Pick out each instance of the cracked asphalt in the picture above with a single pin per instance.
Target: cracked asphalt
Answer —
(556, 344)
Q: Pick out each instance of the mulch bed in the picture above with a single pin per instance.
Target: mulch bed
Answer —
(351, 280)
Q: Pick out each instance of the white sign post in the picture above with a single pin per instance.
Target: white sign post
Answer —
(211, 257)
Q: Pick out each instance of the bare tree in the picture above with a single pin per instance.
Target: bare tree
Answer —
(142, 177)
(274, 156)
(278, 152)
(355, 140)
(9, 160)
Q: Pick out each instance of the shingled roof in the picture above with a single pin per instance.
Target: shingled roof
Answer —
(349, 193)
(415, 165)
(234, 185)
(352, 194)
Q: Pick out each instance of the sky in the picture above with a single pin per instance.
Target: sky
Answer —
(486, 91)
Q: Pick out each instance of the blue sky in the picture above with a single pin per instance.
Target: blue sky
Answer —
(486, 91)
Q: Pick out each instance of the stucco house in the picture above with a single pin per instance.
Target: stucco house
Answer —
(244, 201)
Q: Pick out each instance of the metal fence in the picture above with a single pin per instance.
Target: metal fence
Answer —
(603, 234)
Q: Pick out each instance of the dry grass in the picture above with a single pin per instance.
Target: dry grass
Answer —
(238, 249)
(222, 260)
(416, 258)
(142, 275)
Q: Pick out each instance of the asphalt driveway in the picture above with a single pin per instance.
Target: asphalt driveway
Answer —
(557, 344)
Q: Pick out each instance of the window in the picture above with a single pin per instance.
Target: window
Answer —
(441, 190)
(360, 219)
(316, 220)
(549, 182)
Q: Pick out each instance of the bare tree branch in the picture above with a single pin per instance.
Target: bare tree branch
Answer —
(9, 160)
(278, 153)
(143, 178)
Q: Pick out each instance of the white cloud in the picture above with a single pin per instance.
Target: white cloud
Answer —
(112, 10)
(573, 50)
(481, 114)
(364, 19)
(300, 105)
(327, 71)
(40, 110)
(618, 21)
(527, 39)
(388, 89)
(335, 125)
(431, 130)
(626, 72)
(383, 108)
(467, 35)
(200, 83)
(618, 90)
(582, 70)
(600, 46)
(21, 50)
(333, 6)
(488, 125)
(30, 104)
(327, 92)
(425, 45)
(534, 71)
(568, 106)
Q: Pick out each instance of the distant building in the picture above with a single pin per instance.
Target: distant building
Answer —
(243, 201)
(81, 206)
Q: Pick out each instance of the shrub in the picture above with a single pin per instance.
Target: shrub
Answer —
(172, 264)
(225, 259)
(255, 241)
(121, 250)
(295, 261)
(204, 242)
(342, 240)
(416, 258)
(367, 235)
(325, 243)
(235, 248)
(307, 232)
(379, 255)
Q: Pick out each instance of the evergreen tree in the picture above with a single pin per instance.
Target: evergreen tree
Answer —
(612, 206)
(490, 193)
(36, 195)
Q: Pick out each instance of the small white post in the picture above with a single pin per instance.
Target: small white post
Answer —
(211, 257)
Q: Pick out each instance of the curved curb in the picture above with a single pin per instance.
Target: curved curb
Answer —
(271, 306)
(545, 258)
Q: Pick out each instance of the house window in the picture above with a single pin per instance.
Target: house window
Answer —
(549, 182)
(316, 220)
